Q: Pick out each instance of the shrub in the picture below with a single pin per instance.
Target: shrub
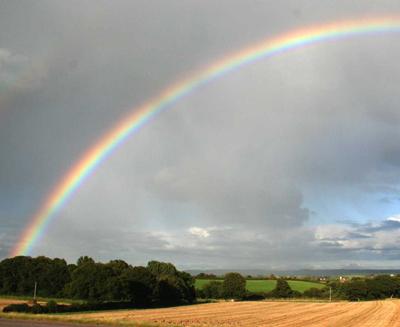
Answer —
(314, 293)
(253, 296)
(37, 308)
(17, 307)
(51, 306)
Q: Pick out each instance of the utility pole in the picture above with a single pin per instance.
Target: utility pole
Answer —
(330, 294)
(34, 292)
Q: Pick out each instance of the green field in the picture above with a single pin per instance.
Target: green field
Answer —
(261, 285)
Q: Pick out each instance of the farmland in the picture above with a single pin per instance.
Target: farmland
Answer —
(263, 313)
(261, 285)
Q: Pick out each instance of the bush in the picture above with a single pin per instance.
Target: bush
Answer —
(37, 308)
(314, 293)
(54, 307)
(200, 294)
(20, 307)
(51, 306)
(253, 296)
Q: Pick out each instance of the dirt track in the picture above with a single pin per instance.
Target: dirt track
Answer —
(274, 314)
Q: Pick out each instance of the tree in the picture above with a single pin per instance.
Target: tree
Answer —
(112, 282)
(355, 290)
(212, 290)
(173, 286)
(161, 268)
(206, 276)
(168, 291)
(138, 285)
(282, 289)
(234, 286)
(19, 274)
(382, 286)
(83, 260)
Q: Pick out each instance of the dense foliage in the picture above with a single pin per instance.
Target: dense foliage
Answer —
(118, 284)
(283, 290)
(19, 274)
(206, 276)
(211, 290)
(379, 287)
(157, 284)
(234, 286)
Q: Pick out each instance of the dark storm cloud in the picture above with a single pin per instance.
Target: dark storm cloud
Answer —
(224, 177)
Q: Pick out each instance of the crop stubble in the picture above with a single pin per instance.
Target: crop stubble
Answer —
(273, 314)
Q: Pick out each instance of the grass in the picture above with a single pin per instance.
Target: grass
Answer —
(262, 285)
(199, 283)
(41, 299)
(301, 286)
(71, 319)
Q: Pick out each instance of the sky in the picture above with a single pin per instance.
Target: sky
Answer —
(289, 162)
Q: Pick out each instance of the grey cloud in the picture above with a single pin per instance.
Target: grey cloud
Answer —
(237, 158)
(370, 240)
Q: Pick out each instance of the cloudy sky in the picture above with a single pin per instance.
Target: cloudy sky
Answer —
(290, 162)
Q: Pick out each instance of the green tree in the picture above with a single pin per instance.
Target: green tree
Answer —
(168, 291)
(161, 268)
(212, 290)
(138, 285)
(173, 286)
(355, 290)
(282, 289)
(83, 260)
(234, 286)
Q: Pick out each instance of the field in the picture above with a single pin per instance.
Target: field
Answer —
(260, 285)
(273, 314)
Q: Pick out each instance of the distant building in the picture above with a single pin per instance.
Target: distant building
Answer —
(343, 279)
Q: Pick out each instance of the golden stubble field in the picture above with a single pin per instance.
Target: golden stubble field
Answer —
(273, 314)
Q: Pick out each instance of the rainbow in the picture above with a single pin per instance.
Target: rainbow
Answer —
(143, 114)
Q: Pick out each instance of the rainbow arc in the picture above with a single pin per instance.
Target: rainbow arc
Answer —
(141, 115)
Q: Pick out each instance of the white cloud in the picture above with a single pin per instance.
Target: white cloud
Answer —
(394, 218)
(199, 232)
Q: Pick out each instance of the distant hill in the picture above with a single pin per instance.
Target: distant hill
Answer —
(300, 272)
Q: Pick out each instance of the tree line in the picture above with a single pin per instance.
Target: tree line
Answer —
(376, 288)
(158, 283)
(357, 289)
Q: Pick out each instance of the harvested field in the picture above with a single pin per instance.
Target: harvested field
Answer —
(273, 314)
